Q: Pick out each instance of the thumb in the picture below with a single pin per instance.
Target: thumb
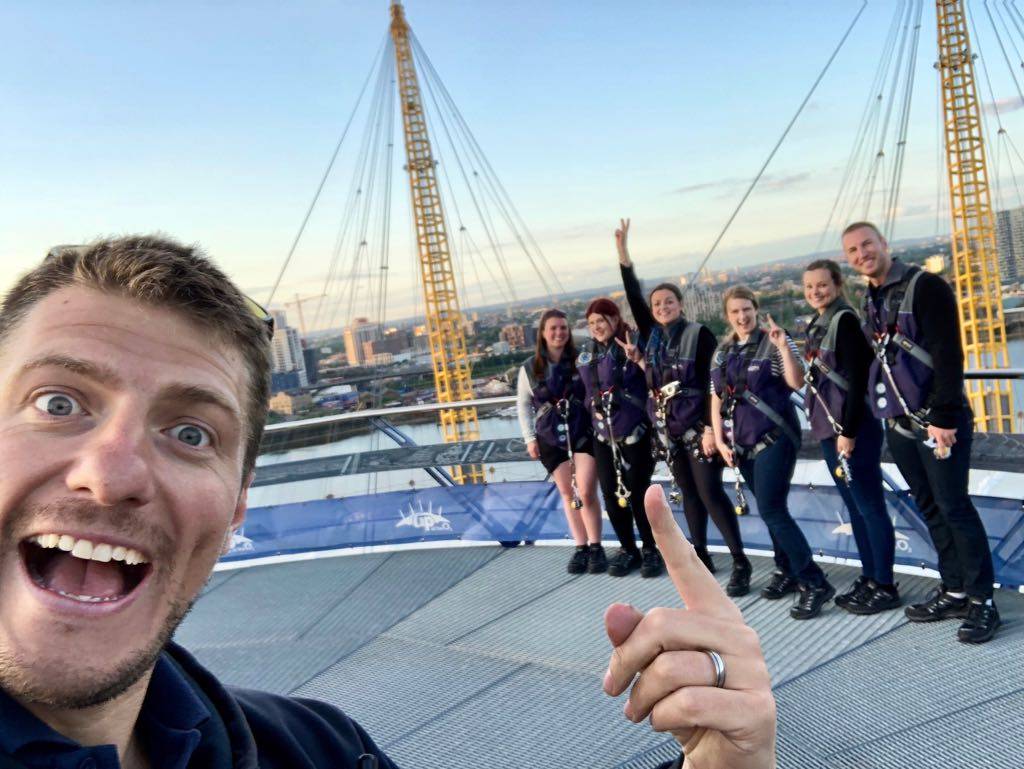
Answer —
(620, 620)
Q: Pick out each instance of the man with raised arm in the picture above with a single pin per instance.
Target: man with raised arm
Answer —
(916, 384)
(132, 404)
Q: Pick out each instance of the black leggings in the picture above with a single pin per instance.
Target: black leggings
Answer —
(638, 466)
(703, 493)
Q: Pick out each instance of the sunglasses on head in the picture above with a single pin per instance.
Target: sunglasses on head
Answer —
(257, 309)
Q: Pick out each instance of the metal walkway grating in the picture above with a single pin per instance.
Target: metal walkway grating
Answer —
(483, 657)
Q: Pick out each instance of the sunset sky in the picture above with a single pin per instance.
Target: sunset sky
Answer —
(213, 122)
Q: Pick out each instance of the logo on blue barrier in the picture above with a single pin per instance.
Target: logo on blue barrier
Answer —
(427, 519)
(240, 544)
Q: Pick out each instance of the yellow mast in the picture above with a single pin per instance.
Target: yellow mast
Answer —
(975, 264)
(452, 373)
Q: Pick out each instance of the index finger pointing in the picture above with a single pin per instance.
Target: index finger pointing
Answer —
(698, 589)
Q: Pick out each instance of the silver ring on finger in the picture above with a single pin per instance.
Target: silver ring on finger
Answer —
(719, 663)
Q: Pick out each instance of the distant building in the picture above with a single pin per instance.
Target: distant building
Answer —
(291, 403)
(284, 380)
(514, 334)
(337, 397)
(1010, 244)
(286, 350)
(392, 343)
(355, 335)
(501, 348)
(311, 359)
(702, 302)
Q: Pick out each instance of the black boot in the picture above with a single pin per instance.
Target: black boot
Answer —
(811, 600)
(981, 624)
(705, 558)
(597, 562)
(578, 562)
(623, 562)
(780, 586)
(881, 598)
(861, 588)
(739, 580)
(652, 565)
(940, 605)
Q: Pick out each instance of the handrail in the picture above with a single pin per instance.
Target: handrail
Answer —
(994, 373)
(508, 400)
(419, 408)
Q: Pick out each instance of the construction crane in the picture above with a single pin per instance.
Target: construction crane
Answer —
(445, 330)
(975, 262)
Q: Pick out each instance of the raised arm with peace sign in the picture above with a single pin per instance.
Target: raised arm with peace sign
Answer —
(697, 672)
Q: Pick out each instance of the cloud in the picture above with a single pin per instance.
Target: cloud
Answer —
(1009, 104)
(701, 186)
(916, 209)
(727, 187)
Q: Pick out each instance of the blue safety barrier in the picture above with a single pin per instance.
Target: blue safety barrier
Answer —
(513, 512)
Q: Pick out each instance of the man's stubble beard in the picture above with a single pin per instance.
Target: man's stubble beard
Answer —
(85, 686)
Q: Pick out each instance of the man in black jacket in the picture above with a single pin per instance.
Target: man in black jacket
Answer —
(132, 404)
(916, 384)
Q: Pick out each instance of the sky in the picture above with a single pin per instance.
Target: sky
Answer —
(213, 122)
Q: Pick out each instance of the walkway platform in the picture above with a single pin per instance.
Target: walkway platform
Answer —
(487, 658)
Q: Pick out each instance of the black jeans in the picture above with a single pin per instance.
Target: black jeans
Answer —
(864, 498)
(769, 475)
(939, 488)
(703, 494)
(637, 468)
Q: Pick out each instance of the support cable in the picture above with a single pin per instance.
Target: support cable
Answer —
(486, 222)
(995, 109)
(1006, 57)
(435, 86)
(775, 149)
(870, 110)
(500, 194)
(1009, 36)
(354, 198)
(901, 144)
(1004, 142)
(884, 131)
(367, 174)
(385, 225)
(323, 179)
(1016, 18)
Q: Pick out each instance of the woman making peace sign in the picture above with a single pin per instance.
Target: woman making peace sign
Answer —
(616, 395)
(753, 374)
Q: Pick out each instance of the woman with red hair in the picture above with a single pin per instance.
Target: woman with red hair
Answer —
(616, 396)
(556, 429)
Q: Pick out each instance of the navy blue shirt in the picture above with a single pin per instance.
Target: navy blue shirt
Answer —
(168, 725)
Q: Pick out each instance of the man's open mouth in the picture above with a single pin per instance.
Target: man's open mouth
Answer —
(83, 570)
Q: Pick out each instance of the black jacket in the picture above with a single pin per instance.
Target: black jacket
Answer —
(257, 730)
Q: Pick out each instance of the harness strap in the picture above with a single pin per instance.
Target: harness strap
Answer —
(912, 348)
(831, 374)
(772, 414)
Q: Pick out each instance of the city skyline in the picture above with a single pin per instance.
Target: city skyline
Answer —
(213, 123)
